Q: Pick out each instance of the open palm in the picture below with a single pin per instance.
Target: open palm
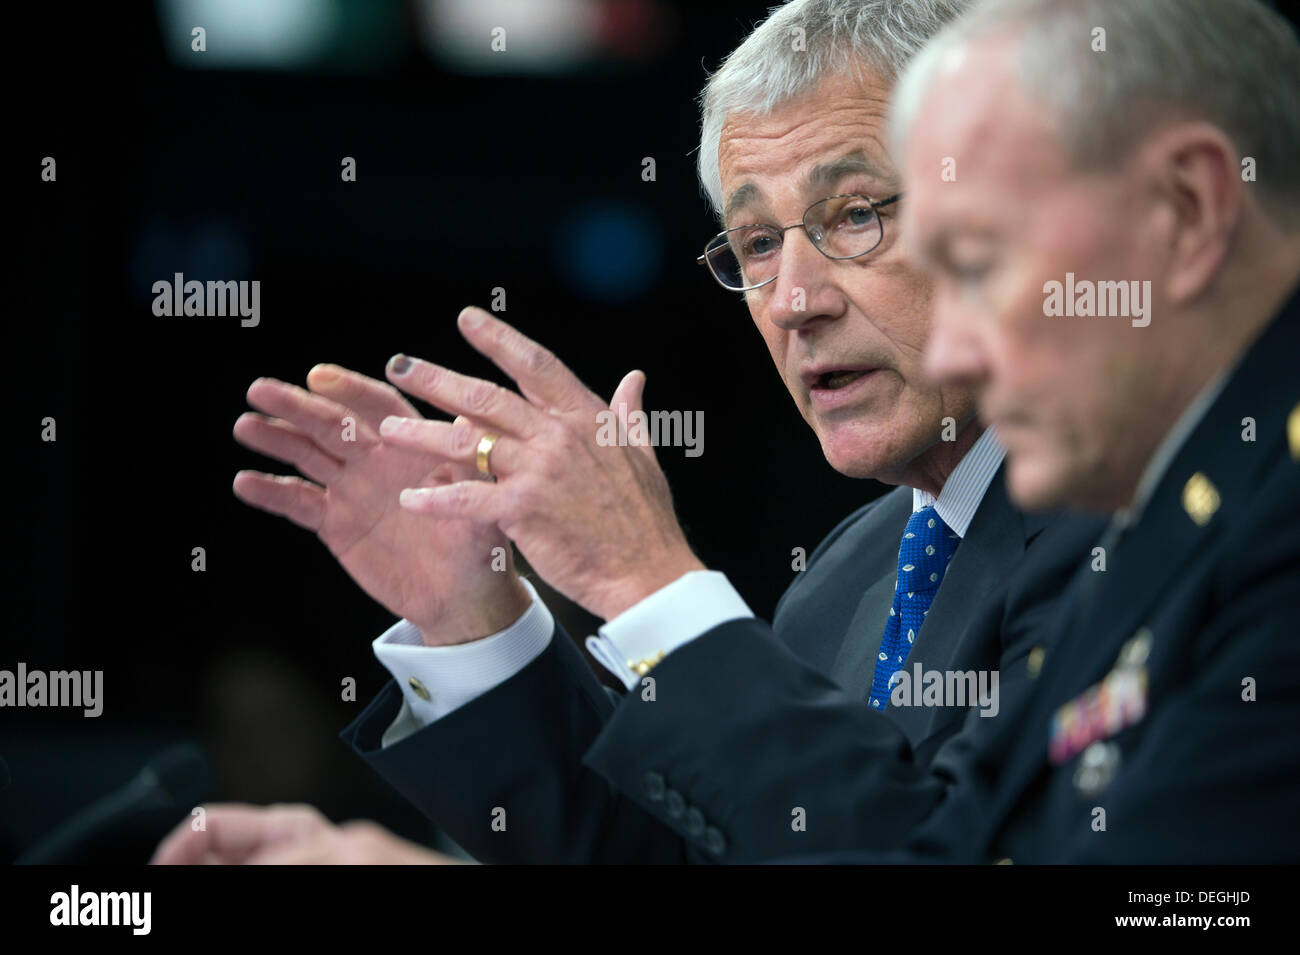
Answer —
(437, 574)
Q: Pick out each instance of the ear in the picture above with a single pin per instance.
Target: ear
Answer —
(1195, 171)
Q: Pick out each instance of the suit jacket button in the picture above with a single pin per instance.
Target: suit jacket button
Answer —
(676, 804)
(714, 841)
(694, 822)
(654, 786)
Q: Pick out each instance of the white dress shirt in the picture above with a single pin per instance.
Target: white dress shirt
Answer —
(674, 615)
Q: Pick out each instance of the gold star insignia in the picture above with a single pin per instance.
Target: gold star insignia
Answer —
(1293, 432)
(1200, 498)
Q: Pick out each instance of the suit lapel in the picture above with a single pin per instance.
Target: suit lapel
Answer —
(855, 661)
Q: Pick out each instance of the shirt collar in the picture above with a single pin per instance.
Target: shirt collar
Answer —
(1169, 446)
(961, 494)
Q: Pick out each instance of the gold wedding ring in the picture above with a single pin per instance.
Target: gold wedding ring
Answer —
(482, 458)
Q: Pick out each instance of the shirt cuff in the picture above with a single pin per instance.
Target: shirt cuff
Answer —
(674, 615)
(436, 680)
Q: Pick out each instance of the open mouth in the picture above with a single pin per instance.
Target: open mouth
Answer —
(835, 380)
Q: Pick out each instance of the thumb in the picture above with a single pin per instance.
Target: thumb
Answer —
(629, 391)
(628, 394)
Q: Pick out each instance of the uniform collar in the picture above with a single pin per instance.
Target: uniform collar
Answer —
(1164, 454)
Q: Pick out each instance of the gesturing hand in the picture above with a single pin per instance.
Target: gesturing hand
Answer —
(438, 574)
(596, 522)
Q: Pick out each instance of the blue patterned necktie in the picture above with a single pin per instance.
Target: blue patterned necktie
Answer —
(927, 546)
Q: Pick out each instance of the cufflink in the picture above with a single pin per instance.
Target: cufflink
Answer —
(646, 664)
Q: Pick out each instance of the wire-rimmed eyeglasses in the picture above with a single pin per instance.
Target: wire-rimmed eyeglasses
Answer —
(840, 227)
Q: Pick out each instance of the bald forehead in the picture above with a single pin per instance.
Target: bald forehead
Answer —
(977, 112)
(980, 156)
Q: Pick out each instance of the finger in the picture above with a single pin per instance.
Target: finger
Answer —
(338, 429)
(182, 846)
(313, 851)
(629, 394)
(492, 405)
(282, 441)
(374, 400)
(231, 831)
(291, 497)
(456, 441)
(468, 500)
(543, 378)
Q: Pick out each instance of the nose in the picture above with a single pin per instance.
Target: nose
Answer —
(954, 353)
(804, 290)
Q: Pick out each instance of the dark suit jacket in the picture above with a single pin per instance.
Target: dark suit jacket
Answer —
(749, 723)
(1204, 590)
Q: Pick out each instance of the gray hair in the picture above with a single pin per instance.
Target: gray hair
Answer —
(799, 45)
(1233, 63)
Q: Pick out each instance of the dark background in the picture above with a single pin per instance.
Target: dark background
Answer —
(466, 181)
(469, 178)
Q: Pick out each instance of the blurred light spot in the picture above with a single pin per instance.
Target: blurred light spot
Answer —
(248, 34)
(540, 36)
(210, 250)
(611, 253)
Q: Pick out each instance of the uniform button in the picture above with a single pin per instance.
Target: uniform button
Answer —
(654, 786)
(1034, 663)
(714, 841)
(675, 803)
(419, 689)
(694, 822)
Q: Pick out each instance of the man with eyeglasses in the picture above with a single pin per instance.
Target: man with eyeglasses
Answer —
(735, 741)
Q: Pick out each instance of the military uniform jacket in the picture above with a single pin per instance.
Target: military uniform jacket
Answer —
(1164, 724)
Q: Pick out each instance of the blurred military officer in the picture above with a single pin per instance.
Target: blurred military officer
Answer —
(1116, 252)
